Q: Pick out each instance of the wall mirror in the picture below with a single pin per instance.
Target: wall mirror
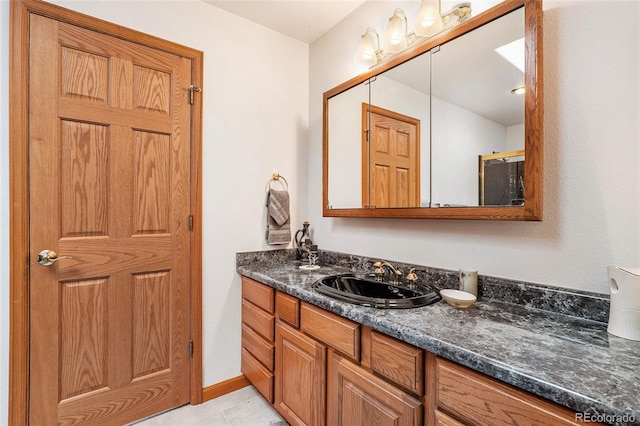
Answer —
(421, 135)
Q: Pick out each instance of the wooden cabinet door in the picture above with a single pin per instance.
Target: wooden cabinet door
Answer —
(357, 397)
(300, 377)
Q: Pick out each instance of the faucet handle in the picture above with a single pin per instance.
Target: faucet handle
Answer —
(378, 271)
(412, 277)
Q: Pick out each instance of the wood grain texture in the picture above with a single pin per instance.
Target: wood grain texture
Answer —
(476, 399)
(358, 397)
(85, 75)
(151, 323)
(443, 420)
(260, 321)
(261, 378)
(151, 183)
(399, 362)
(288, 309)
(300, 377)
(225, 387)
(84, 183)
(84, 337)
(337, 332)
(259, 294)
(261, 349)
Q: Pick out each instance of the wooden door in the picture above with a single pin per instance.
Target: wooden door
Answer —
(300, 377)
(392, 169)
(357, 397)
(109, 149)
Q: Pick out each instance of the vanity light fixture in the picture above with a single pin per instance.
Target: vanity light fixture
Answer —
(367, 55)
(431, 20)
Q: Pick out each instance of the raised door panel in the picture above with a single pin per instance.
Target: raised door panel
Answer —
(300, 377)
(357, 397)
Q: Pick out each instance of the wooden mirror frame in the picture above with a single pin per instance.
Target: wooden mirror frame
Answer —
(533, 107)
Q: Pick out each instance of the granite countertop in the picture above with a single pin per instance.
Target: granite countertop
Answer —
(570, 360)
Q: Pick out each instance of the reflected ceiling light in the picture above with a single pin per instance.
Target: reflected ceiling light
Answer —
(514, 53)
(367, 55)
(431, 20)
(396, 38)
(518, 90)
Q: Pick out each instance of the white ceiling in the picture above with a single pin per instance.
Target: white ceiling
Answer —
(304, 20)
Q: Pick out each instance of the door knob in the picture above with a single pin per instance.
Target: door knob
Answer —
(49, 257)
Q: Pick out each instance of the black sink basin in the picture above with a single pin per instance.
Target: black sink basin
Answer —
(364, 291)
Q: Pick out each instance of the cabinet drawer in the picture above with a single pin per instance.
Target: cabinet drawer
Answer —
(258, 375)
(259, 320)
(258, 347)
(335, 331)
(259, 294)
(480, 400)
(397, 361)
(288, 309)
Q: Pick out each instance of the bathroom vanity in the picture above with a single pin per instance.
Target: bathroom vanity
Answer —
(320, 360)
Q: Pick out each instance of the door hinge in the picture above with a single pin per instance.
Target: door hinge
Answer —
(193, 89)
(190, 348)
(190, 222)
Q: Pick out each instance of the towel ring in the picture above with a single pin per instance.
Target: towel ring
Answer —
(278, 177)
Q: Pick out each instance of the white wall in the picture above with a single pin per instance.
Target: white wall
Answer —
(255, 123)
(459, 136)
(591, 155)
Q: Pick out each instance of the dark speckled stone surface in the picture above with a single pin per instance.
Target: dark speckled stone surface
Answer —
(549, 341)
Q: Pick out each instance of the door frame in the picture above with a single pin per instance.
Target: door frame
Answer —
(19, 191)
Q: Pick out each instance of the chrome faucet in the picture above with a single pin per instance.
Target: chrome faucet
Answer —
(379, 271)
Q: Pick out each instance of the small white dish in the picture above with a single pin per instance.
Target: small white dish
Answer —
(309, 267)
(457, 298)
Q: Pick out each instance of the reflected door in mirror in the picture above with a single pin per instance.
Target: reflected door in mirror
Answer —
(392, 156)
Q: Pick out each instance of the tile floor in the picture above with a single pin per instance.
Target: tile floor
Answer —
(244, 407)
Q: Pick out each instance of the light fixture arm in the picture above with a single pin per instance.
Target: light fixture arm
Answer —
(460, 12)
